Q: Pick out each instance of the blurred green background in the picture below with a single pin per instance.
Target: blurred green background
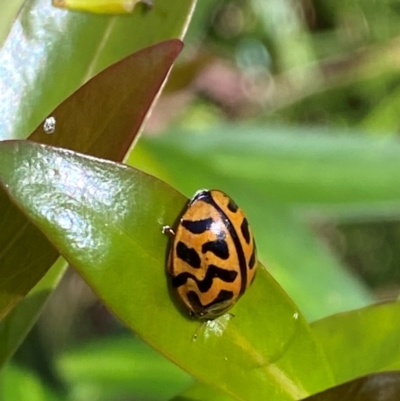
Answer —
(293, 67)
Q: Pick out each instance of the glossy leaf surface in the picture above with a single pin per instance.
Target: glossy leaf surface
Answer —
(361, 342)
(106, 220)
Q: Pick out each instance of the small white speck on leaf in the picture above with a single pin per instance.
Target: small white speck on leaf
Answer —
(49, 125)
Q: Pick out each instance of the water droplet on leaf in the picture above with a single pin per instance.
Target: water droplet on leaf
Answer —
(49, 125)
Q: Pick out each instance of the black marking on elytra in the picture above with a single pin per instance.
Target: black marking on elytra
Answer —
(199, 308)
(219, 248)
(229, 276)
(197, 226)
(235, 238)
(244, 228)
(194, 300)
(188, 255)
(223, 296)
(252, 260)
(232, 206)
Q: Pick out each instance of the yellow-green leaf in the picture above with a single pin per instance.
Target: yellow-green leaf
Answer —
(362, 341)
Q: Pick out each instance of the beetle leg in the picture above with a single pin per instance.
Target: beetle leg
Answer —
(167, 230)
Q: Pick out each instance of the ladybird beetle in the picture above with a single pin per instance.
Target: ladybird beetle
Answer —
(213, 259)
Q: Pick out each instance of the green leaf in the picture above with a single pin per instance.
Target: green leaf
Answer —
(106, 219)
(9, 11)
(201, 392)
(361, 342)
(121, 368)
(17, 384)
